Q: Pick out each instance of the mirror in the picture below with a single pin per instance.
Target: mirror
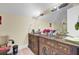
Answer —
(72, 21)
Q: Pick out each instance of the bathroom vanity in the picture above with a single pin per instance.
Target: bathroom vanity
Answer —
(45, 45)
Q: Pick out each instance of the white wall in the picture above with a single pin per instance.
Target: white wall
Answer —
(17, 27)
(17, 20)
(72, 17)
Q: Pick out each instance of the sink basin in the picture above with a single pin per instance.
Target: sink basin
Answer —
(74, 40)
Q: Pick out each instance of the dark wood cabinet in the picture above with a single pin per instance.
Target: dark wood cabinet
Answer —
(43, 45)
(44, 48)
(33, 43)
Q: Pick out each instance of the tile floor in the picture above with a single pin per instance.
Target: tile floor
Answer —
(25, 51)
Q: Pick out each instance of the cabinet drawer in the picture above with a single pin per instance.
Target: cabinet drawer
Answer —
(42, 40)
(51, 43)
(64, 48)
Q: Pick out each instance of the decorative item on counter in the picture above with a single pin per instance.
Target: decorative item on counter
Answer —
(54, 32)
(38, 31)
(50, 24)
(60, 35)
(33, 31)
(46, 31)
(49, 32)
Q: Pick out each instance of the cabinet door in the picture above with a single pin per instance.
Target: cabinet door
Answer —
(35, 45)
(58, 52)
(64, 48)
(45, 50)
(31, 45)
(30, 37)
(53, 51)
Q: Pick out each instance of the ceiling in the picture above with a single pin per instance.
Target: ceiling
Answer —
(25, 9)
(32, 9)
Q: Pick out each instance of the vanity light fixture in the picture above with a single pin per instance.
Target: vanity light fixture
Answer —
(56, 8)
(63, 5)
